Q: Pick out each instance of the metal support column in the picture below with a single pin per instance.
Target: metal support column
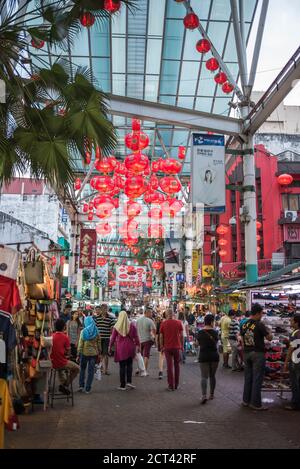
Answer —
(174, 287)
(189, 249)
(92, 295)
(250, 205)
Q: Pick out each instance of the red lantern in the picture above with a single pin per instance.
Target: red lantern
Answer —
(212, 64)
(135, 186)
(112, 283)
(136, 125)
(258, 225)
(136, 141)
(62, 260)
(170, 184)
(153, 182)
(285, 179)
(103, 229)
(37, 44)
(135, 250)
(102, 184)
(88, 157)
(181, 152)
(104, 201)
(103, 211)
(222, 253)
(136, 163)
(90, 216)
(220, 78)
(98, 153)
(77, 184)
(53, 261)
(101, 261)
(112, 6)
(227, 88)
(153, 197)
(258, 237)
(106, 165)
(157, 265)
(258, 249)
(222, 230)
(87, 19)
(222, 242)
(171, 166)
(85, 208)
(130, 241)
(203, 46)
(132, 209)
(191, 21)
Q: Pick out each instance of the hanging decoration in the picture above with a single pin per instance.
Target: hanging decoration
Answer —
(212, 64)
(170, 184)
(87, 19)
(101, 261)
(285, 179)
(157, 265)
(181, 152)
(222, 230)
(37, 44)
(203, 46)
(220, 78)
(77, 184)
(191, 21)
(112, 6)
(227, 88)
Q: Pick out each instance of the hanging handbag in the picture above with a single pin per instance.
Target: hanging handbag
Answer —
(33, 269)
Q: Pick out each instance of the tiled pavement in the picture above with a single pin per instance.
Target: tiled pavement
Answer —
(151, 417)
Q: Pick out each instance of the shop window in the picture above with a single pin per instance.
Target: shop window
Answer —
(285, 202)
(293, 202)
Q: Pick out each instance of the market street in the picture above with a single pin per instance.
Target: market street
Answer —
(150, 417)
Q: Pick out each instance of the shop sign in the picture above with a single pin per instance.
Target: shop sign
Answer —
(208, 271)
(291, 233)
(208, 172)
(195, 263)
(88, 249)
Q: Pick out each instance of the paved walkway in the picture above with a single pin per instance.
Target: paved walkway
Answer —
(151, 417)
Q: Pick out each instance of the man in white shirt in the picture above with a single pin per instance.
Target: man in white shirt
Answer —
(146, 331)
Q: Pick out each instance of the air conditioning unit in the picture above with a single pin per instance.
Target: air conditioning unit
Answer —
(291, 215)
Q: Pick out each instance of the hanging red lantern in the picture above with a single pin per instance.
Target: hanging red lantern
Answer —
(203, 46)
(77, 184)
(103, 229)
(157, 265)
(212, 64)
(181, 152)
(90, 216)
(258, 237)
(112, 6)
(135, 250)
(102, 184)
(136, 141)
(104, 201)
(171, 166)
(222, 242)
(136, 125)
(130, 242)
(112, 283)
(87, 19)
(258, 249)
(153, 182)
(119, 182)
(220, 78)
(106, 165)
(222, 229)
(101, 261)
(85, 208)
(88, 157)
(191, 21)
(103, 211)
(227, 88)
(222, 253)
(53, 261)
(170, 184)
(135, 186)
(153, 197)
(91, 206)
(136, 163)
(37, 43)
(132, 209)
(62, 260)
(285, 179)
(258, 225)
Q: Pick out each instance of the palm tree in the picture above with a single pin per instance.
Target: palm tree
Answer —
(49, 118)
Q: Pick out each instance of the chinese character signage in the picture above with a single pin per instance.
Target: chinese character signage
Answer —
(291, 233)
(207, 271)
(88, 249)
(208, 172)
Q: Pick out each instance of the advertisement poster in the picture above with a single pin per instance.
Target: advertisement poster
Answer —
(208, 271)
(131, 274)
(173, 262)
(88, 249)
(195, 262)
(208, 172)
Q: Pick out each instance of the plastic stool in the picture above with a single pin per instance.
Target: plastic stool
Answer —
(52, 395)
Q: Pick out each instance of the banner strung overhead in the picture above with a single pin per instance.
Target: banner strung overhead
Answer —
(208, 172)
(88, 249)
(131, 274)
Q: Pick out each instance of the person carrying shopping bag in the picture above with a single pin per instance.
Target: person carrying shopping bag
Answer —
(89, 348)
(127, 343)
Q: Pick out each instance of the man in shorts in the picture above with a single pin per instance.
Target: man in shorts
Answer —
(146, 331)
(104, 325)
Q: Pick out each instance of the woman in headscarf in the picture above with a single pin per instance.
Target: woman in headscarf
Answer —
(89, 348)
(127, 342)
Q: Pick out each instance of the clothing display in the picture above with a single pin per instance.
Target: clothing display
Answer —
(6, 409)
(9, 262)
(10, 300)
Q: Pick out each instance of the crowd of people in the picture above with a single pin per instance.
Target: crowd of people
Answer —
(85, 341)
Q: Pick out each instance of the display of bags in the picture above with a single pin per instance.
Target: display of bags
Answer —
(34, 272)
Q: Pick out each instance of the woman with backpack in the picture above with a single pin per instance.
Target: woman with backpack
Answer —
(208, 356)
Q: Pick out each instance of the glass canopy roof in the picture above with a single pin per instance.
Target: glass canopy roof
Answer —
(148, 54)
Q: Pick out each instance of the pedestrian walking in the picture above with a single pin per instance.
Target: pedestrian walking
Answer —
(104, 325)
(253, 334)
(224, 325)
(126, 340)
(171, 343)
(185, 327)
(208, 356)
(161, 356)
(292, 363)
(146, 331)
(73, 328)
(234, 340)
(89, 348)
